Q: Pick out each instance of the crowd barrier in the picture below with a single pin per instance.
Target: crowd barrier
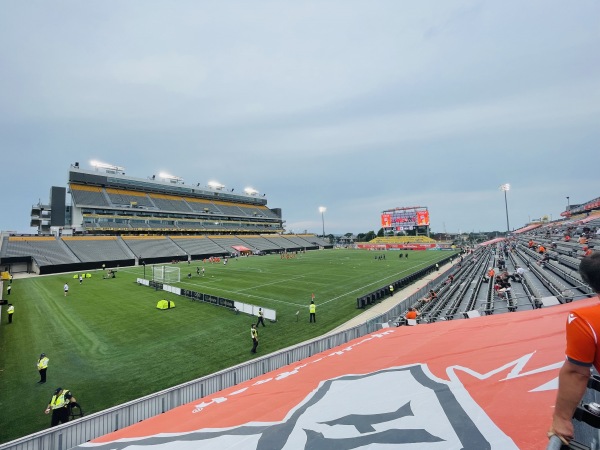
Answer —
(269, 314)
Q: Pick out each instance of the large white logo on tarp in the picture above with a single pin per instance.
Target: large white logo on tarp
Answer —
(400, 408)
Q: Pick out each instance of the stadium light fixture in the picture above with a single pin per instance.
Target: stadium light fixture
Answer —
(111, 167)
(171, 178)
(250, 191)
(506, 187)
(322, 210)
(215, 185)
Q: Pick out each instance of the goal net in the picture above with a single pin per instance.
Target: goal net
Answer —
(166, 274)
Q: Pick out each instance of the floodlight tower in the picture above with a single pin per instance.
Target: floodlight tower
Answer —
(505, 188)
(322, 210)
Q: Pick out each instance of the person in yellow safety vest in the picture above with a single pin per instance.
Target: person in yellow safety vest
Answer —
(42, 366)
(261, 318)
(312, 309)
(391, 289)
(254, 336)
(59, 405)
(10, 311)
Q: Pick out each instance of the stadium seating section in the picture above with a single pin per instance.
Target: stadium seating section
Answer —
(111, 210)
(543, 283)
(52, 251)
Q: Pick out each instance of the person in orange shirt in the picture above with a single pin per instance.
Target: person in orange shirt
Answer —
(541, 249)
(411, 314)
(583, 325)
(491, 273)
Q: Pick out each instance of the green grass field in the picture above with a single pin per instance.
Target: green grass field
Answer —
(109, 344)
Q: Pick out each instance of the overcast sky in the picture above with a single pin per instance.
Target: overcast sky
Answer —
(358, 106)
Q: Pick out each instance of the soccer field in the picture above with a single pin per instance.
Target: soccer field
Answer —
(109, 344)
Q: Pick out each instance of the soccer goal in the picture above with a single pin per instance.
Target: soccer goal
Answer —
(166, 274)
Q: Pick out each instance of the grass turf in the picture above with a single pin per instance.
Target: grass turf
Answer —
(109, 344)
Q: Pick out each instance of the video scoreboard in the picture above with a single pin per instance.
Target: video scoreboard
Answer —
(405, 219)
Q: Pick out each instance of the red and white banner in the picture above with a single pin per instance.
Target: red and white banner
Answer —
(482, 383)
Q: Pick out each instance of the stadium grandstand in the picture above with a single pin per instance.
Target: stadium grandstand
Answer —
(115, 219)
(106, 201)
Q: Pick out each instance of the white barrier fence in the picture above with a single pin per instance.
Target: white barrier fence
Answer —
(269, 314)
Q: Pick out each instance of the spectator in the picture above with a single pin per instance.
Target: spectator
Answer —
(582, 326)
(431, 296)
(518, 275)
(411, 315)
(502, 286)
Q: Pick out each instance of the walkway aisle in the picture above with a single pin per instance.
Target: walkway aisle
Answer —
(390, 302)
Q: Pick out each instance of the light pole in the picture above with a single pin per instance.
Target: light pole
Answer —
(322, 210)
(505, 188)
(568, 207)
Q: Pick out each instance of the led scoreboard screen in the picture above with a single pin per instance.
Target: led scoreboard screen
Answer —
(401, 220)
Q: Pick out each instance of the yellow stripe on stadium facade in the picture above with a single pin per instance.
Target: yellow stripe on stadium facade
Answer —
(31, 238)
(153, 237)
(80, 187)
(199, 200)
(89, 238)
(124, 192)
(166, 197)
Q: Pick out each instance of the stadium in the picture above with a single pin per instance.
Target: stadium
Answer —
(164, 280)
